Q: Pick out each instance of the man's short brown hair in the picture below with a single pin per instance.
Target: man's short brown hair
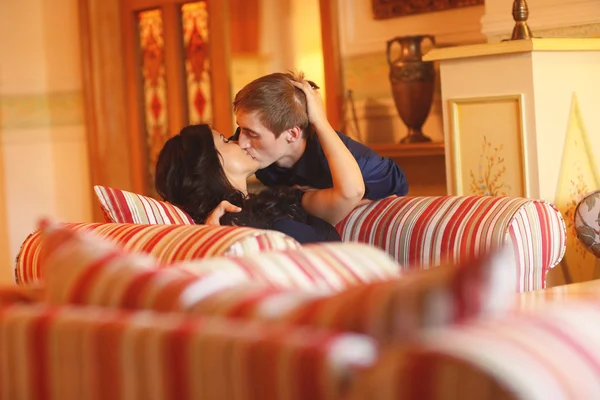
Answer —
(280, 105)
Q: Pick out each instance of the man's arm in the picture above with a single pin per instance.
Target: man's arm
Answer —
(382, 176)
(334, 203)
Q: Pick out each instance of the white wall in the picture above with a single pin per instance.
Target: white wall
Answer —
(363, 42)
(42, 133)
(290, 39)
(307, 40)
(360, 33)
(546, 18)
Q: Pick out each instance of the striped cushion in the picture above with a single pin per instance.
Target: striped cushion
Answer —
(87, 353)
(81, 268)
(392, 310)
(550, 354)
(167, 243)
(120, 206)
(326, 266)
(422, 232)
(587, 222)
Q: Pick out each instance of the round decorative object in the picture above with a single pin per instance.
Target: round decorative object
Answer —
(587, 222)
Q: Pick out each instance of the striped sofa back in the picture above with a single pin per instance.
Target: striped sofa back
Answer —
(95, 353)
(421, 232)
(83, 273)
(167, 243)
(342, 286)
(87, 353)
(391, 310)
(551, 353)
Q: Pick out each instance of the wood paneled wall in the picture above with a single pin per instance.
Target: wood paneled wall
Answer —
(334, 85)
(104, 87)
(244, 26)
(111, 85)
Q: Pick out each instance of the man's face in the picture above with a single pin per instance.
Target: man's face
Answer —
(259, 141)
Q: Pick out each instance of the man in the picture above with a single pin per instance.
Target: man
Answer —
(274, 130)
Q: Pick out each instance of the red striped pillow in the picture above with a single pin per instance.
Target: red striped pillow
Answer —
(120, 206)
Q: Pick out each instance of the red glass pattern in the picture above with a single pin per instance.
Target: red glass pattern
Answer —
(150, 25)
(194, 20)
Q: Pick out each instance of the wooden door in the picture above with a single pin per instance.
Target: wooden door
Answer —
(176, 57)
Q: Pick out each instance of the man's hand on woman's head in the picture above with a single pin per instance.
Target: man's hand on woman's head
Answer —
(314, 102)
(224, 207)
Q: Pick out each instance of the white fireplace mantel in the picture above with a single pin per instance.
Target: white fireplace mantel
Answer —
(524, 102)
(543, 15)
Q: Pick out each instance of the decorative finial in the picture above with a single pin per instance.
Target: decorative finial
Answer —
(520, 14)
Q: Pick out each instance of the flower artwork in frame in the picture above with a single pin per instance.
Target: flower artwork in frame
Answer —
(488, 159)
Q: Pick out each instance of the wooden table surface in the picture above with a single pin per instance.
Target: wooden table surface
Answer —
(581, 290)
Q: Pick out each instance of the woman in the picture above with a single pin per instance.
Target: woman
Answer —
(199, 169)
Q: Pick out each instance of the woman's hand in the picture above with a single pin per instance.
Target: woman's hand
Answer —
(314, 103)
(216, 214)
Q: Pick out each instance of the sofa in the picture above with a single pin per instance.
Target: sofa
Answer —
(417, 232)
(108, 320)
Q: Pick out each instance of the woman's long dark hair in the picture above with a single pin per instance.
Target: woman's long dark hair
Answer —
(189, 175)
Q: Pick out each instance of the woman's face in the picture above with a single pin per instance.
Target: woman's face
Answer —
(235, 161)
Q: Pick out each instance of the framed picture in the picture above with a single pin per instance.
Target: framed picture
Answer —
(383, 9)
(488, 159)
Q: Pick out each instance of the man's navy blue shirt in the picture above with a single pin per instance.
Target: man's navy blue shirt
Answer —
(382, 176)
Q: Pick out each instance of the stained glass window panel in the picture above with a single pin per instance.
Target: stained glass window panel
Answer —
(194, 18)
(150, 25)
